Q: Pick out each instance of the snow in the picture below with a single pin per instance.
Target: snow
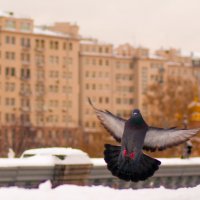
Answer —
(47, 157)
(31, 161)
(55, 151)
(42, 31)
(12, 15)
(173, 63)
(96, 54)
(74, 192)
(156, 57)
(93, 41)
(71, 156)
(196, 55)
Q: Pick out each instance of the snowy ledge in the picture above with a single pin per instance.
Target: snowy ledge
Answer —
(73, 192)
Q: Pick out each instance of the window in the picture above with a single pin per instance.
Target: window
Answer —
(25, 73)
(39, 44)
(25, 26)
(100, 62)
(25, 102)
(25, 57)
(64, 46)
(100, 49)
(9, 101)
(94, 61)
(131, 101)
(54, 59)
(9, 87)
(70, 46)
(118, 100)
(53, 88)
(10, 55)
(25, 42)
(10, 39)
(100, 100)
(10, 71)
(107, 62)
(107, 50)
(54, 45)
(10, 24)
(39, 60)
(10, 117)
(87, 86)
(67, 61)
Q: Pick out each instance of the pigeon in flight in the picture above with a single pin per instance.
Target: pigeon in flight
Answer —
(128, 162)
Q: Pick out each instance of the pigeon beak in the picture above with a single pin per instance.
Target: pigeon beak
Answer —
(134, 113)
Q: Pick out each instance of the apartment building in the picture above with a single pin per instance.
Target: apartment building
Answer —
(39, 74)
(47, 74)
(96, 67)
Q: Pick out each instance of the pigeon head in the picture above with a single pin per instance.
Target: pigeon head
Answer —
(136, 117)
(135, 113)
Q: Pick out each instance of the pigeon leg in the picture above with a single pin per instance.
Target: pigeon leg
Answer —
(132, 155)
(124, 152)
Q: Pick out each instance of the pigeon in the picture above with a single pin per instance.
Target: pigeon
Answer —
(128, 161)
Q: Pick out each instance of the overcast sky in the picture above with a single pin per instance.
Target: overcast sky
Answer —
(150, 23)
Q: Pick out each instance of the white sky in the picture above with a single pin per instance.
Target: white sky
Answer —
(150, 23)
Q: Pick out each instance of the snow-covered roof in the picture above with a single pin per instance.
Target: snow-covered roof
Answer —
(96, 54)
(12, 14)
(157, 57)
(93, 41)
(196, 55)
(89, 42)
(43, 31)
(173, 63)
(185, 53)
(193, 54)
(122, 56)
(4, 14)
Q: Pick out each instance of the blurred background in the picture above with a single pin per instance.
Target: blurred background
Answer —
(142, 55)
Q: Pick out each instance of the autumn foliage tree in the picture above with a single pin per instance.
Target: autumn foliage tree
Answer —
(168, 102)
(168, 107)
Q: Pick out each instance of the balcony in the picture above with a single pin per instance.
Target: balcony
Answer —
(25, 109)
(39, 49)
(25, 62)
(26, 48)
(40, 64)
(25, 78)
(40, 94)
(25, 93)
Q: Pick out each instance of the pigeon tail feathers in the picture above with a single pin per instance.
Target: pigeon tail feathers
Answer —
(129, 169)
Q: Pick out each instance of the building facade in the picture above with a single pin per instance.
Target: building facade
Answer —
(47, 74)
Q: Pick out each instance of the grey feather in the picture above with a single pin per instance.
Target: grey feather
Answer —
(160, 139)
(115, 125)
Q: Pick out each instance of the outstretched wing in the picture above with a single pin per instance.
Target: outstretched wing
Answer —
(160, 139)
(114, 124)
